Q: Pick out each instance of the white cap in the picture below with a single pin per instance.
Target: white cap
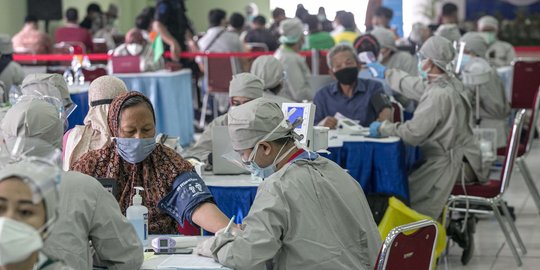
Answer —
(488, 21)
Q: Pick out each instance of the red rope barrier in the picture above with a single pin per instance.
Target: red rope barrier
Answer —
(105, 57)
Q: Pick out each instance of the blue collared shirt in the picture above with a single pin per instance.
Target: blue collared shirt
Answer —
(367, 101)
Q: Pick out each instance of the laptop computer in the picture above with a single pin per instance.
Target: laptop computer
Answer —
(126, 64)
(221, 144)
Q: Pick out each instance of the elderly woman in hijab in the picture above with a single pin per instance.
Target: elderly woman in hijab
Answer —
(271, 71)
(114, 240)
(441, 127)
(95, 132)
(173, 192)
(390, 56)
(136, 45)
(243, 88)
(29, 201)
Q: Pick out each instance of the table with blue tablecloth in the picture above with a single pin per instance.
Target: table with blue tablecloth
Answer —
(380, 166)
(170, 93)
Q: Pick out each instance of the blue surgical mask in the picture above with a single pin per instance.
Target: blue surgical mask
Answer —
(266, 172)
(135, 150)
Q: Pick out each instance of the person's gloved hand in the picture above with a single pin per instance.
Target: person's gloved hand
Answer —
(374, 129)
(376, 69)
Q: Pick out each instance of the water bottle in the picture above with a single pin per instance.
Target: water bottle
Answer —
(80, 76)
(86, 62)
(137, 215)
(68, 77)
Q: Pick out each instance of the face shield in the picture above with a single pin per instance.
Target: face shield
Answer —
(459, 47)
(49, 93)
(35, 162)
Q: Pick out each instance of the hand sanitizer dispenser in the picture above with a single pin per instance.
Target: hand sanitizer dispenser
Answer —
(137, 215)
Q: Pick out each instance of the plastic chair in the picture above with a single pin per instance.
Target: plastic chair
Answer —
(217, 76)
(398, 214)
(491, 193)
(409, 251)
(317, 63)
(93, 73)
(69, 47)
(398, 112)
(525, 82)
(99, 45)
(524, 148)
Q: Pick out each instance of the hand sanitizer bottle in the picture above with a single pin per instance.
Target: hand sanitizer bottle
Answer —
(137, 215)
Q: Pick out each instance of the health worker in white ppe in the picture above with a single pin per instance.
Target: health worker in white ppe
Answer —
(87, 212)
(29, 203)
(390, 56)
(441, 127)
(243, 88)
(500, 53)
(494, 107)
(297, 87)
(308, 212)
(271, 71)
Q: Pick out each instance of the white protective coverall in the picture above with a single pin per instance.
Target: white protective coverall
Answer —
(442, 127)
(310, 214)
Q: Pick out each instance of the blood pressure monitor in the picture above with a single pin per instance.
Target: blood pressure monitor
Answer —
(161, 243)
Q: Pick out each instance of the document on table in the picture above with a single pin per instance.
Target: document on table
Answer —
(189, 262)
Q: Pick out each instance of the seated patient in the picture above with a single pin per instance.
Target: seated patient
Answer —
(173, 192)
(243, 88)
(136, 45)
(87, 212)
(307, 214)
(28, 212)
(362, 100)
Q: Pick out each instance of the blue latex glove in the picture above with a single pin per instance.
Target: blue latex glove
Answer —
(376, 69)
(374, 129)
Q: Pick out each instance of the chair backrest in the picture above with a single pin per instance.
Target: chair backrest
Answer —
(257, 47)
(511, 150)
(415, 250)
(525, 82)
(320, 58)
(529, 136)
(99, 45)
(69, 47)
(218, 74)
(398, 112)
(93, 73)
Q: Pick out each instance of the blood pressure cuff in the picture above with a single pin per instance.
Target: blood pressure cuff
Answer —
(380, 101)
(189, 192)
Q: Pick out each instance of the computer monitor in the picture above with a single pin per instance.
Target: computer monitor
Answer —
(306, 111)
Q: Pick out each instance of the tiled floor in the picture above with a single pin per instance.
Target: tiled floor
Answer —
(491, 251)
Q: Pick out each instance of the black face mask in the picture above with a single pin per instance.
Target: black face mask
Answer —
(347, 76)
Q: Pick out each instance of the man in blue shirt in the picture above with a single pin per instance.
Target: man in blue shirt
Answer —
(362, 100)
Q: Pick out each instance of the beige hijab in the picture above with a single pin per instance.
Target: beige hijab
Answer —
(95, 132)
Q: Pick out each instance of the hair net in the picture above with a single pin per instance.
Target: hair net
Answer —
(252, 121)
(41, 82)
(291, 31)
(246, 85)
(440, 51)
(6, 47)
(269, 69)
(33, 118)
(105, 88)
(488, 21)
(42, 178)
(416, 33)
(449, 31)
(385, 37)
(475, 43)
